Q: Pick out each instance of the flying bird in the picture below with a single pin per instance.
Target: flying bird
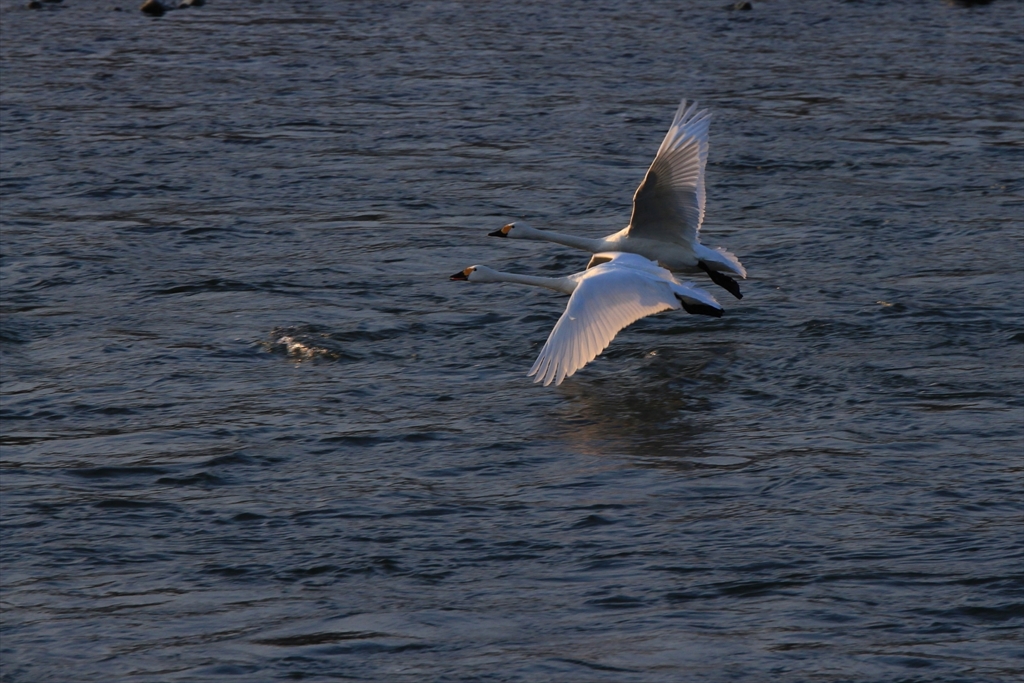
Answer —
(615, 290)
(668, 209)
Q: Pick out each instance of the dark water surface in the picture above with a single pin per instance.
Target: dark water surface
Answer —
(252, 432)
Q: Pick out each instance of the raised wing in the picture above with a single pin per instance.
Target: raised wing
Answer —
(607, 299)
(669, 204)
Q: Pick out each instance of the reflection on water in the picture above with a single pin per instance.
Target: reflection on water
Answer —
(660, 420)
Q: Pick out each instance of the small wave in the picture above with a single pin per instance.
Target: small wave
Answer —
(198, 479)
(319, 638)
(111, 472)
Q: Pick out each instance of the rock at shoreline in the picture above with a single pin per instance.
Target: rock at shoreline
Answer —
(153, 8)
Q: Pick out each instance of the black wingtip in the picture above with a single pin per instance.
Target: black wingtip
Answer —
(702, 309)
(722, 280)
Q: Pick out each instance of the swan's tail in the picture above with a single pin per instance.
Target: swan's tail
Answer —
(696, 301)
(728, 261)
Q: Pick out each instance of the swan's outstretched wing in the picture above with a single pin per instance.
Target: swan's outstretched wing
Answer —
(607, 299)
(669, 204)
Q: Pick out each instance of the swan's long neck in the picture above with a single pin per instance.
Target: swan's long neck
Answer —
(574, 241)
(559, 284)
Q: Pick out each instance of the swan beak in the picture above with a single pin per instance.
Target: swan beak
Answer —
(503, 232)
(461, 275)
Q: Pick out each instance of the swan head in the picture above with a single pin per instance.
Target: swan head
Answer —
(476, 274)
(517, 230)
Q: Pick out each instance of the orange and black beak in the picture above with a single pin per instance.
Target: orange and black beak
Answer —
(461, 275)
(503, 232)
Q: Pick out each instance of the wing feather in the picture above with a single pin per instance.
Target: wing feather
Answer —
(607, 299)
(669, 204)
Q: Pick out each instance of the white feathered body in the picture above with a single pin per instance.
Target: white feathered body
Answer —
(677, 257)
(605, 298)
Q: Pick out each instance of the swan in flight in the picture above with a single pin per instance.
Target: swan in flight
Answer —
(614, 291)
(668, 208)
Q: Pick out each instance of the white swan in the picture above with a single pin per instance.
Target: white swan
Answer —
(614, 291)
(668, 209)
